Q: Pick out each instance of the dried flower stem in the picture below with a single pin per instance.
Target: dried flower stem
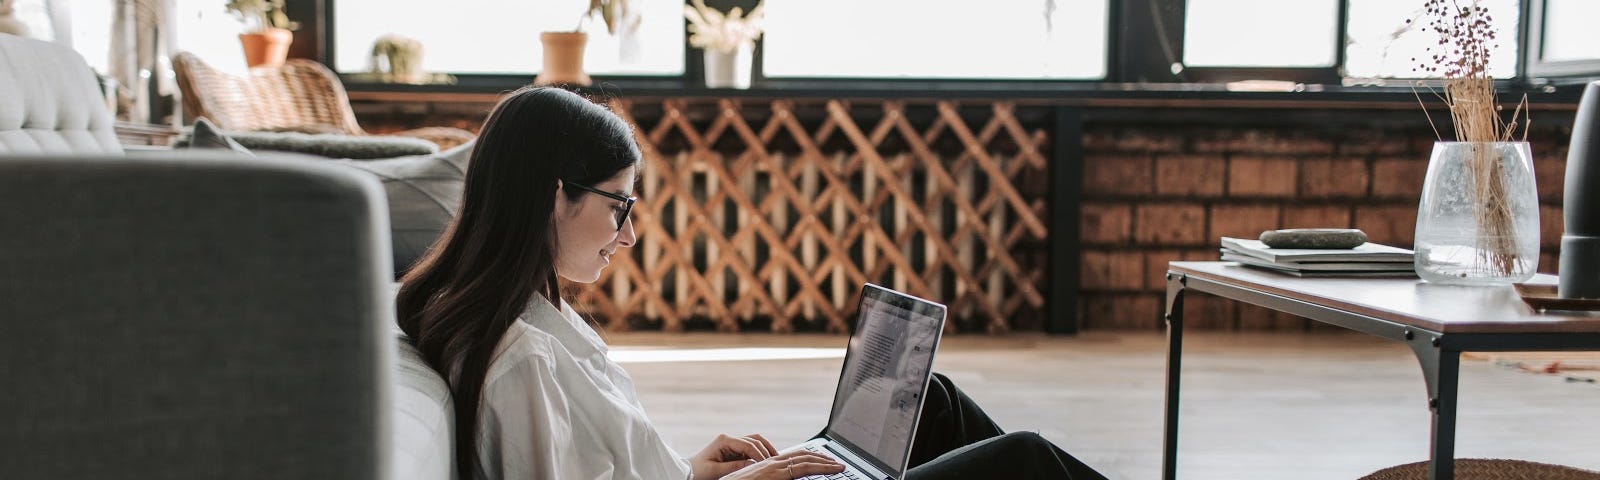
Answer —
(1465, 41)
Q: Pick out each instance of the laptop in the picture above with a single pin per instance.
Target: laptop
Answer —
(879, 398)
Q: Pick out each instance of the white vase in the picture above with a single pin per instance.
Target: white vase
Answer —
(728, 69)
(1478, 224)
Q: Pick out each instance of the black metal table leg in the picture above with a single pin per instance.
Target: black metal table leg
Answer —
(1441, 369)
(1174, 318)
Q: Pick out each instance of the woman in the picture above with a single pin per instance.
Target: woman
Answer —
(548, 195)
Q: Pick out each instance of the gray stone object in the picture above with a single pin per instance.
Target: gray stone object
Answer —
(1318, 238)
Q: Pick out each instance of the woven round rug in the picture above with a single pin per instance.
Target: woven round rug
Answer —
(1488, 469)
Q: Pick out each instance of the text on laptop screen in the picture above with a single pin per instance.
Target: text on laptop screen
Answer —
(884, 378)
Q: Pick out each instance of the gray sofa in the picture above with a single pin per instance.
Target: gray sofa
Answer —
(194, 314)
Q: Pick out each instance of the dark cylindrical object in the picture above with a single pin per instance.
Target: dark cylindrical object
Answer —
(1580, 244)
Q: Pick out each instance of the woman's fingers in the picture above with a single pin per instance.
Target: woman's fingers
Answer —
(763, 443)
(802, 456)
(747, 447)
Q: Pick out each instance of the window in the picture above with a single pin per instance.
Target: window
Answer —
(206, 29)
(502, 36)
(1561, 43)
(1569, 32)
(1008, 39)
(1280, 37)
(1275, 33)
(1382, 45)
(203, 27)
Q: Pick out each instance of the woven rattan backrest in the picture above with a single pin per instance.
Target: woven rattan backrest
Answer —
(300, 95)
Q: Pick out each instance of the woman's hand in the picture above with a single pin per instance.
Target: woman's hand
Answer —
(726, 454)
(752, 457)
(788, 466)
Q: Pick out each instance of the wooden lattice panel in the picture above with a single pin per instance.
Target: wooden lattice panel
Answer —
(773, 214)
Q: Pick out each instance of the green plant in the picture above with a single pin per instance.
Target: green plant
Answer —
(261, 14)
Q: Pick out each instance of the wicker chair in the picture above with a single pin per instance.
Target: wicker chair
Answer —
(300, 96)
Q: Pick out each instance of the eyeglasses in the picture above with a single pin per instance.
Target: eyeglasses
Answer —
(621, 215)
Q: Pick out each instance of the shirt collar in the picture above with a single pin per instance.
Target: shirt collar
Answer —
(564, 324)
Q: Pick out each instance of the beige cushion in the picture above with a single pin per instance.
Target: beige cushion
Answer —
(49, 101)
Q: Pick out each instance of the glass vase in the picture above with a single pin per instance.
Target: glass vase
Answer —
(1478, 221)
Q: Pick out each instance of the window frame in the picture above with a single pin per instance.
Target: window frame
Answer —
(326, 31)
(1329, 75)
(1143, 37)
(1532, 42)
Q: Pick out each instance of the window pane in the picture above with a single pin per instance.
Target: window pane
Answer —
(1569, 32)
(1260, 33)
(1382, 45)
(1034, 39)
(91, 32)
(206, 29)
(35, 15)
(502, 36)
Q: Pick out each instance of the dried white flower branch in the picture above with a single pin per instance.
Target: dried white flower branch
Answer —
(715, 31)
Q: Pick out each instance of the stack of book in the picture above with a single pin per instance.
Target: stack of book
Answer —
(1367, 260)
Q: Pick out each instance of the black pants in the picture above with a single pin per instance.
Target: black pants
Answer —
(956, 440)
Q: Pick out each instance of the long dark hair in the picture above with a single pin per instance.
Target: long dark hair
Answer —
(500, 250)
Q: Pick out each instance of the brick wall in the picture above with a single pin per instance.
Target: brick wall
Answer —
(1158, 190)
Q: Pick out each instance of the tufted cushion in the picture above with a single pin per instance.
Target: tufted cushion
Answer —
(49, 101)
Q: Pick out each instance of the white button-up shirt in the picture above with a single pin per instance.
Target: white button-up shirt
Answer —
(554, 406)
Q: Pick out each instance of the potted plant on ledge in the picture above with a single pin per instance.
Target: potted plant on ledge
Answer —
(728, 41)
(268, 31)
(563, 51)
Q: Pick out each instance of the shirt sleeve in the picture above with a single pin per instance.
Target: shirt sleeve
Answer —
(525, 425)
(537, 424)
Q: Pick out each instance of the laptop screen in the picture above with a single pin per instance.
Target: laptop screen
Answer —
(886, 370)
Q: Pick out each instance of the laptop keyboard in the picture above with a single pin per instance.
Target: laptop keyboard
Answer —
(845, 475)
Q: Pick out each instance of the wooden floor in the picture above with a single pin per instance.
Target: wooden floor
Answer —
(1256, 406)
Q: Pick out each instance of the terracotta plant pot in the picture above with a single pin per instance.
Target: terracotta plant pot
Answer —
(268, 47)
(563, 59)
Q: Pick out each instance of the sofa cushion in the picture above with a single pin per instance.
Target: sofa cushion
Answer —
(424, 192)
(49, 101)
(424, 419)
(335, 145)
(324, 145)
(206, 135)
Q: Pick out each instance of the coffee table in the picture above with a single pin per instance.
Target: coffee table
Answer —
(1438, 322)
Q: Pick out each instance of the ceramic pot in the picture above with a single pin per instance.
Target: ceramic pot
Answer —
(269, 47)
(728, 69)
(563, 59)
